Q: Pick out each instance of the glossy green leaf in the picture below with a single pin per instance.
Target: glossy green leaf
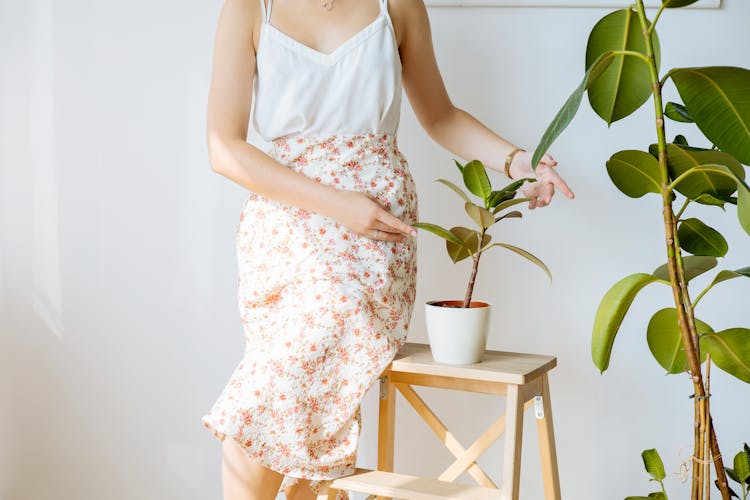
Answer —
(742, 466)
(525, 254)
(506, 193)
(476, 180)
(678, 113)
(509, 203)
(497, 197)
(481, 215)
(709, 199)
(570, 108)
(716, 98)
(466, 246)
(681, 159)
(459, 166)
(635, 173)
(743, 206)
(694, 266)
(671, 4)
(511, 214)
(656, 495)
(612, 309)
(721, 276)
(743, 190)
(726, 274)
(457, 252)
(733, 477)
(460, 192)
(730, 351)
(440, 231)
(680, 140)
(626, 84)
(665, 339)
(699, 239)
(653, 464)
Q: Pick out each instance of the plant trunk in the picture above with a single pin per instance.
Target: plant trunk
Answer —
(685, 316)
(474, 268)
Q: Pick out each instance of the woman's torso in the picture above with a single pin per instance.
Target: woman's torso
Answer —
(300, 91)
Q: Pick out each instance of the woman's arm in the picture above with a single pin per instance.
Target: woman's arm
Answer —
(230, 154)
(452, 127)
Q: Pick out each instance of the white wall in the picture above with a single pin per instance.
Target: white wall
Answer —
(117, 263)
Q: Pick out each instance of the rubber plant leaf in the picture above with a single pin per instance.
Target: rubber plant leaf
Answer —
(730, 351)
(665, 340)
(635, 173)
(626, 84)
(694, 265)
(612, 309)
(716, 98)
(568, 111)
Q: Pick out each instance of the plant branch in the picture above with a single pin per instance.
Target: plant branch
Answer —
(656, 18)
(682, 209)
(474, 269)
(633, 53)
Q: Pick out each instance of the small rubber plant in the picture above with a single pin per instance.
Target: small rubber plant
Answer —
(739, 474)
(655, 467)
(463, 242)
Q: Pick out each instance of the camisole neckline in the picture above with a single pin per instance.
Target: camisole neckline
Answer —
(327, 58)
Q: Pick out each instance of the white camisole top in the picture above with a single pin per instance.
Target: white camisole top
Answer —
(301, 91)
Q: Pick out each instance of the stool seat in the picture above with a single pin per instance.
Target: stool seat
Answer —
(496, 366)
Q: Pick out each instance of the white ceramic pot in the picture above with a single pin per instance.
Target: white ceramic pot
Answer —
(457, 335)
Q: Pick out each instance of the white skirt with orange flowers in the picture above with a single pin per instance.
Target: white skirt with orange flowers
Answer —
(324, 311)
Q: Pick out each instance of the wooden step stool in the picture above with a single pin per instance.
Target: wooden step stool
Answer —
(522, 378)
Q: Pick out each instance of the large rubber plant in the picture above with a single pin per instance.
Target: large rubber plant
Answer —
(622, 74)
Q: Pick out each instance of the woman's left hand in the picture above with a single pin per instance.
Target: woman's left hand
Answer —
(541, 191)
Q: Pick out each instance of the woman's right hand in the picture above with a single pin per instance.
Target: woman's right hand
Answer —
(363, 215)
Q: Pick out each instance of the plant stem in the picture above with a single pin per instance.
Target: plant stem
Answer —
(682, 209)
(675, 266)
(656, 18)
(474, 268)
(707, 438)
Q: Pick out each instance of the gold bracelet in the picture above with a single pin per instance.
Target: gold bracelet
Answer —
(509, 159)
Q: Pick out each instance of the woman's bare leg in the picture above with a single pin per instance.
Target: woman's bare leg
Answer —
(300, 491)
(245, 479)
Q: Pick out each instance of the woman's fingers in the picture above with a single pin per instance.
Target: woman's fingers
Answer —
(556, 179)
(549, 192)
(396, 224)
(386, 230)
(548, 160)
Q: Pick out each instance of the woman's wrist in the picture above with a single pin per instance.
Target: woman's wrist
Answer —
(510, 160)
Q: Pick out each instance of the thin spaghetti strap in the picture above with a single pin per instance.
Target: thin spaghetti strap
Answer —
(268, 11)
(384, 6)
(265, 10)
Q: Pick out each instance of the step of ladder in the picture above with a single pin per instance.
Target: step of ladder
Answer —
(402, 486)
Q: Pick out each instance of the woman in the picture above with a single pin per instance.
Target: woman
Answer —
(326, 251)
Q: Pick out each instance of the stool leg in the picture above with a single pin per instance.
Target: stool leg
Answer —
(547, 451)
(386, 424)
(513, 438)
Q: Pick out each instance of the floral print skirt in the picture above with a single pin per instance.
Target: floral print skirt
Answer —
(324, 310)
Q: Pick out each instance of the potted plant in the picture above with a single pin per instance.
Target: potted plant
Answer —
(623, 61)
(457, 329)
